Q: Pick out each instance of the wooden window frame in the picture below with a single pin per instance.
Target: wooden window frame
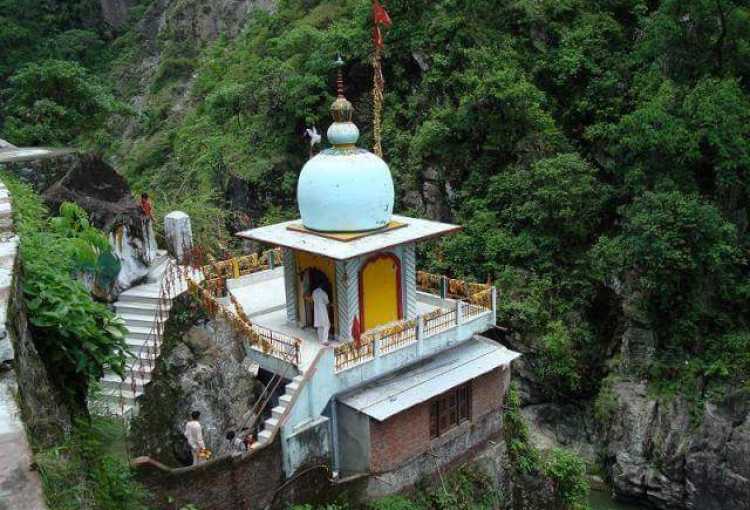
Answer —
(450, 409)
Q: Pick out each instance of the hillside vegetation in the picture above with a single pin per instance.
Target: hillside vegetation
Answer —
(597, 152)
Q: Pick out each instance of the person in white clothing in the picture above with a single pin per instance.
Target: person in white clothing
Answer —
(194, 435)
(320, 314)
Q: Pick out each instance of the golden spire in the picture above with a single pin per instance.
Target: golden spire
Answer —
(341, 108)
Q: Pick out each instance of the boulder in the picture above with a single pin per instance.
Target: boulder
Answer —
(204, 369)
(69, 176)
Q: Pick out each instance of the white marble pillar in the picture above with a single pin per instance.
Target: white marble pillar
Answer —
(178, 233)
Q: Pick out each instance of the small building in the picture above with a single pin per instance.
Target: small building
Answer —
(406, 382)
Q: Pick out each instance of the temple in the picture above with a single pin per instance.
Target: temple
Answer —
(407, 381)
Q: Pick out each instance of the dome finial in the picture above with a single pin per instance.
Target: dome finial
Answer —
(343, 132)
(339, 63)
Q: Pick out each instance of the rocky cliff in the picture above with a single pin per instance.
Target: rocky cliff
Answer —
(202, 367)
(85, 179)
(660, 452)
(663, 451)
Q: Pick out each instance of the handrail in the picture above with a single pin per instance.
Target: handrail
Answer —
(236, 267)
(275, 343)
(471, 300)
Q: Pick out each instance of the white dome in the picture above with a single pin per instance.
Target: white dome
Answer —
(345, 190)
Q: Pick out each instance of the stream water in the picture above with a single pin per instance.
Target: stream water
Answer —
(601, 500)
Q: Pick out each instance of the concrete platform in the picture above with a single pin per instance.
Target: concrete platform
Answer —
(263, 299)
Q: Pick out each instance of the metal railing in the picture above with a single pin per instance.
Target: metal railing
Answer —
(277, 344)
(353, 353)
(392, 337)
(274, 343)
(439, 320)
(236, 267)
(470, 300)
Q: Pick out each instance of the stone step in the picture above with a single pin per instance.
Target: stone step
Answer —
(142, 297)
(292, 387)
(117, 395)
(141, 309)
(143, 332)
(141, 348)
(140, 369)
(270, 424)
(112, 380)
(298, 379)
(141, 321)
(278, 411)
(264, 436)
(285, 400)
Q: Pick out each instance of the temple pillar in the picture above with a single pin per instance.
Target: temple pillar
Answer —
(347, 291)
(290, 285)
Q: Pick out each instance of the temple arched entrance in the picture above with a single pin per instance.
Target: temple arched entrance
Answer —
(310, 279)
(380, 291)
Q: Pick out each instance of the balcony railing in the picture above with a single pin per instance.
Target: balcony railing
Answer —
(242, 266)
(472, 300)
(273, 343)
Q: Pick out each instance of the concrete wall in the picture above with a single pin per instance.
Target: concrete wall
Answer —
(21, 374)
(307, 445)
(353, 435)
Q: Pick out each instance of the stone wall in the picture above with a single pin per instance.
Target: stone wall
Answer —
(21, 374)
(248, 482)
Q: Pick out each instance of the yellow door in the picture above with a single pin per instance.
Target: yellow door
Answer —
(380, 291)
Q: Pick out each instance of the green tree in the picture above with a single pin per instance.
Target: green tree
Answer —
(53, 102)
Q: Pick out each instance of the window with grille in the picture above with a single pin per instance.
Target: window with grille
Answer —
(450, 409)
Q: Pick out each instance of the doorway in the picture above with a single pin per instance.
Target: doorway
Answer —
(311, 279)
(380, 291)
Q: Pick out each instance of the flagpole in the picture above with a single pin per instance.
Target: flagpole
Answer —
(377, 100)
(379, 17)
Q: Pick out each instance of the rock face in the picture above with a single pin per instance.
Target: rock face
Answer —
(68, 176)
(654, 453)
(434, 197)
(115, 12)
(202, 368)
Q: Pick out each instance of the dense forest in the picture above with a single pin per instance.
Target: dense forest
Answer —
(597, 152)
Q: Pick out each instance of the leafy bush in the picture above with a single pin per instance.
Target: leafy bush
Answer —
(568, 473)
(77, 337)
(559, 365)
(86, 471)
(524, 457)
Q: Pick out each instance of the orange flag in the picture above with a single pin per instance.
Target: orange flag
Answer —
(356, 332)
(379, 17)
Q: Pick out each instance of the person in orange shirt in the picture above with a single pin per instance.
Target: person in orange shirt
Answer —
(147, 207)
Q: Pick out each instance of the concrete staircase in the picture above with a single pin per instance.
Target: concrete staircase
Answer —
(286, 401)
(144, 316)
